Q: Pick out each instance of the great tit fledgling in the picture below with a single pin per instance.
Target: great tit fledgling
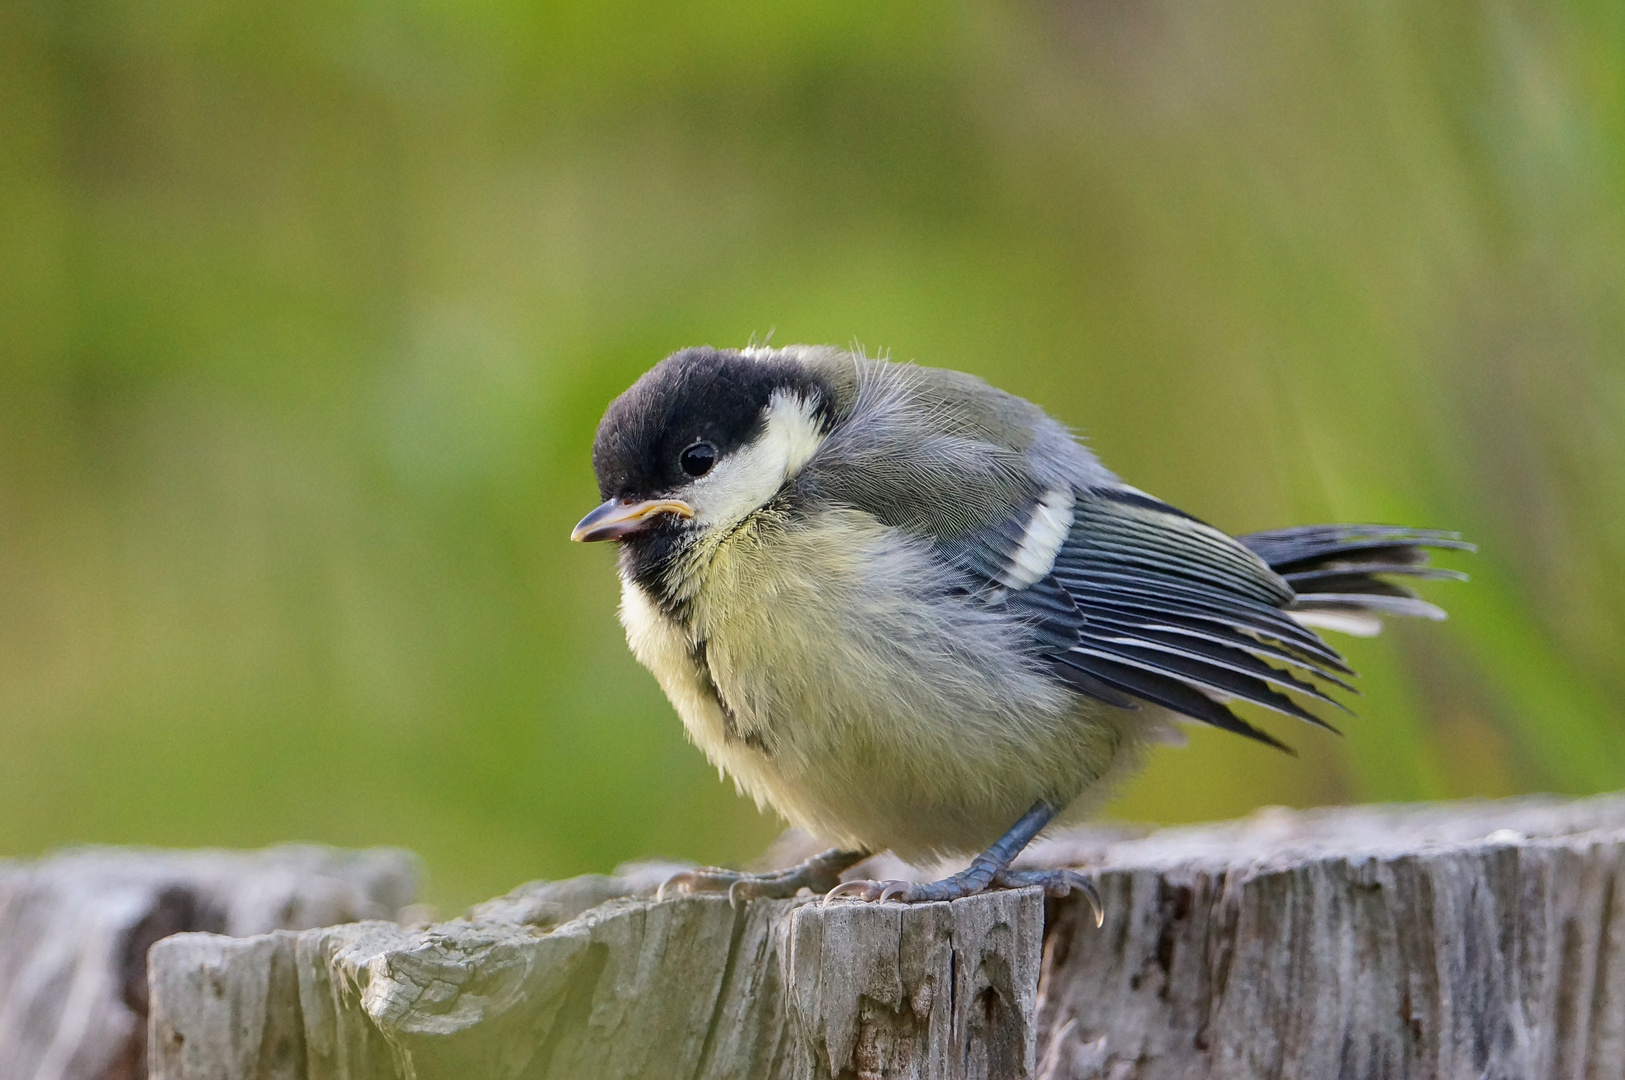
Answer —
(911, 612)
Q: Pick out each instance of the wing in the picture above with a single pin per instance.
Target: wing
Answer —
(1142, 602)
(1180, 614)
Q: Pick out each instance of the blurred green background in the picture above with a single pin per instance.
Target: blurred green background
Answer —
(308, 312)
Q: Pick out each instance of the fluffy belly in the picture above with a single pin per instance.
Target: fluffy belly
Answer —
(867, 702)
(889, 794)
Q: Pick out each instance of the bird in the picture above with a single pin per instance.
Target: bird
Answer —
(911, 612)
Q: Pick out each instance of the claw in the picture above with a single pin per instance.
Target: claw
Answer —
(1095, 904)
(866, 891)
(691, 881)
(1056, 883)
(906, 892)
(1071, 880)
(816, 873)
(660, 893)
(738, 886)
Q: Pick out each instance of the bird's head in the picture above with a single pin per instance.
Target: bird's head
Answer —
(705, 438)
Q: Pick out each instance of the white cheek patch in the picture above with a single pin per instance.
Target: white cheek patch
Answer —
(1046, 532)
(746, 479)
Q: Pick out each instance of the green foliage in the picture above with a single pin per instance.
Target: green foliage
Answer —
(308, 311)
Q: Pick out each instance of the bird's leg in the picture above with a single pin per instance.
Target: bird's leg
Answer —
(989, 869)
(820, 873)
(975, 878)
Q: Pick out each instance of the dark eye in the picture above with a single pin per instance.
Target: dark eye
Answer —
(698, 459)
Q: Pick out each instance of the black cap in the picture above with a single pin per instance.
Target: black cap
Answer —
(702, 394)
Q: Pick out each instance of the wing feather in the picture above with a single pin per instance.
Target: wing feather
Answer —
(1171, 694)
(1181, 614)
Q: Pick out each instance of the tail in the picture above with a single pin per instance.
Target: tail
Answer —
(1339, 572)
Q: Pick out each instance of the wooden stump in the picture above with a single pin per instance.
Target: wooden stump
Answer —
(685, 988)
(1475, 940)
(1470, 940)
(75, 930)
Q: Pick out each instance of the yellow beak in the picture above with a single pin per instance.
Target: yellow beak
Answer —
(618, 518)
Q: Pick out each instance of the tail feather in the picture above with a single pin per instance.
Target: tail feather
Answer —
(1304, 547)
(1340, 572)
(1355, 578)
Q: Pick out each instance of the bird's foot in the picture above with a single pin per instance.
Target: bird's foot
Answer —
(820, 873)
(910, 892)
(1057, 883)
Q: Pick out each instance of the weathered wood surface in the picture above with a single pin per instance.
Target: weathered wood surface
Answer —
(684, 988)
(1476, 940)
(75, 929)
